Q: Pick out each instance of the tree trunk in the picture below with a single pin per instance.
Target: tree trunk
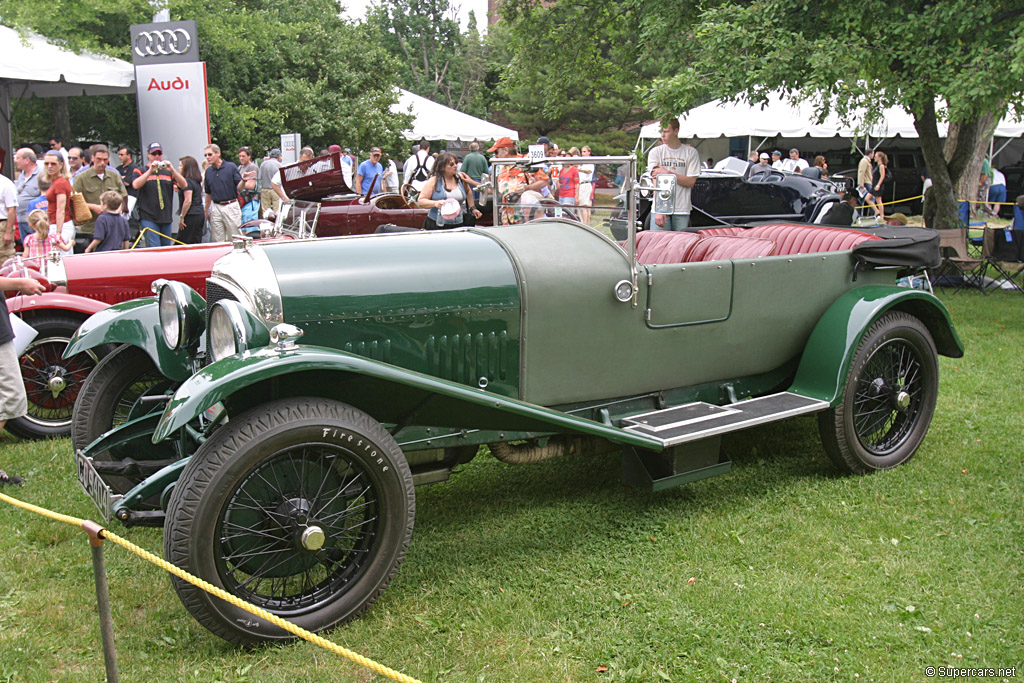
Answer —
(940, 211)
(62, 120)
(967, 187)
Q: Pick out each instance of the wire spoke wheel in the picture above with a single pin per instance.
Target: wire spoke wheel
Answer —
(889, 397)
(301, 506)
(298, 528)
(52, 383)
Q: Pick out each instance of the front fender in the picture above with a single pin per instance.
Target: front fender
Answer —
(135, 322)
(829, 351)
(60, 301)
(387, 392)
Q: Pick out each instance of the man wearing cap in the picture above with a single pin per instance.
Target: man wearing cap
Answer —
(673, 157)
(777, 162)
(897, 219)
(517, 190)
(93, 182)
(221, 184)
(269, 199)
(762, 165)
(370, 173)
(156, 196)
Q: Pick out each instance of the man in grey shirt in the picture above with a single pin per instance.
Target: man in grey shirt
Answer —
(27, 186)
(269, 199)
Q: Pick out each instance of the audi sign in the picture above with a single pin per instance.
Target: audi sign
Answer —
(164, 43)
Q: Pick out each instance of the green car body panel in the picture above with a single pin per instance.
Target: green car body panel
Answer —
(135, 322)
(829, 351)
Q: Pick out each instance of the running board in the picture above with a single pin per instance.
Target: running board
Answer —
(696, 421)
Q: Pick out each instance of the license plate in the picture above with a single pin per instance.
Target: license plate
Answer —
(95, 487)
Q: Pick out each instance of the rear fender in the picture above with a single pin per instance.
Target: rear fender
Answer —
(390, 394)
(829, 351)
(135, 322)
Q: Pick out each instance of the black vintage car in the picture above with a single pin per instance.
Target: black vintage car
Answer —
(757, 194)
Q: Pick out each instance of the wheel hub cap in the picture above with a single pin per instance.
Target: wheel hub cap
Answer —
(56, 384)
(902, 400)
(313, 538)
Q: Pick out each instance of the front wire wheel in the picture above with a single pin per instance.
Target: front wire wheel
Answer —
(889, 398)
(301, 506)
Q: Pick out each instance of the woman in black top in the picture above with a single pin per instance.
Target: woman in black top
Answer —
(878, 181)
(190, 230)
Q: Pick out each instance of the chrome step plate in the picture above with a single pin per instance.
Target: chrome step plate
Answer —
(696, 421)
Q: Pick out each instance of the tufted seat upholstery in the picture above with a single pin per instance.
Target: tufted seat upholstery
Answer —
(712, 232)
(663, 246)
(801, 239)
(722, 247)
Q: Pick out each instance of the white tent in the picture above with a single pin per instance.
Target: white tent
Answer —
(435, 121)
(36, 67)
(779, 118)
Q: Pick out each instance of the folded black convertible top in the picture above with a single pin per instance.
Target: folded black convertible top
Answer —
(899, 246)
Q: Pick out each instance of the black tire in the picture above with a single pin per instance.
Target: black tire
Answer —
(52, 384)
(888, 400)
(109, 398)
(251, 490)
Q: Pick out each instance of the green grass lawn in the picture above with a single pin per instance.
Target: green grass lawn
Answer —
(782, 570)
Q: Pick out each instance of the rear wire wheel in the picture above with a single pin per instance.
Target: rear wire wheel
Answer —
(301, 506)
(889, 398)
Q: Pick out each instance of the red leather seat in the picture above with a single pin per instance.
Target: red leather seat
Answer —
(722, 247)
(805, 239)
(663, 246)
(713, 232)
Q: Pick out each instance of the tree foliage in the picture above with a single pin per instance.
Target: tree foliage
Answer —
(273, 66)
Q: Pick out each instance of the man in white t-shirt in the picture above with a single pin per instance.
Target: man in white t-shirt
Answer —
(419, 166)
(8, 216)
(682, 161)
(795, 163)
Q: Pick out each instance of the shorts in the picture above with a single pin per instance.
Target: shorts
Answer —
(13, 401)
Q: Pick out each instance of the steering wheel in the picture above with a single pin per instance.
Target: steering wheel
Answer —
(410, 193)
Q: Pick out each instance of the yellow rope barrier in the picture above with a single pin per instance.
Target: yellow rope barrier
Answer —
(145, 230)
(218, 592)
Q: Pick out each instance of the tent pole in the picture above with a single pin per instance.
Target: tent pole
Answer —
(5, 130)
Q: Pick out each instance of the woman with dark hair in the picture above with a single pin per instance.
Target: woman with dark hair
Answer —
(878, 181)
(446, 193)
(190, 199)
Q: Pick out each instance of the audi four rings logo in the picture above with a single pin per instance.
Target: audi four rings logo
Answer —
(167, 42)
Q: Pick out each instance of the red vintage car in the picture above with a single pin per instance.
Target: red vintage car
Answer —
(83, 284)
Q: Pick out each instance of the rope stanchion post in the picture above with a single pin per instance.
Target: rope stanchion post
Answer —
(99, 570)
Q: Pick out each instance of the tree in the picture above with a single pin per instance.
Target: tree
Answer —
(956, 61)
(272, 66)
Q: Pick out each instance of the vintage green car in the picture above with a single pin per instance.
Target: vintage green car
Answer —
(278, 428)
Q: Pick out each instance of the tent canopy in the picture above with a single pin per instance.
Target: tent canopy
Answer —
(36, 67)
(433, 121)
(779, 118)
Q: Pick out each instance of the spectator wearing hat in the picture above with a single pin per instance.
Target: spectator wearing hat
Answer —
(897, 219)
(156, 196)
(777, 162)
(763, 164)
(519, 192)
(92, 183)
(269, 199)
(369, 172)
(221, 183)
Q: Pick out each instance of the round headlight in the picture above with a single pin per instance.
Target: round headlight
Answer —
(172, 316)
(225, 333)
(181, 312)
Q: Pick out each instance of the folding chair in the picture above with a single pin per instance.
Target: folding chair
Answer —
(1004, 251)
(958, 268)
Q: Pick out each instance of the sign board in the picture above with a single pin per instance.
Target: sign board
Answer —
(536, 152)
(291, 143)
(165, 43)
(173, 109)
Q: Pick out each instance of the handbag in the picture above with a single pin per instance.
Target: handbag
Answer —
(80, 212)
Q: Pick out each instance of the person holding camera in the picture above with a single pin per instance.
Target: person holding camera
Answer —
(156, 196)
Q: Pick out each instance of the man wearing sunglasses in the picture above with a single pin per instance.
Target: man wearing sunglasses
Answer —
(222, 182)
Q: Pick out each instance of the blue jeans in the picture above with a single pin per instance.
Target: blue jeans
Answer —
(24, 229)
(154, 240)
(677, 222)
